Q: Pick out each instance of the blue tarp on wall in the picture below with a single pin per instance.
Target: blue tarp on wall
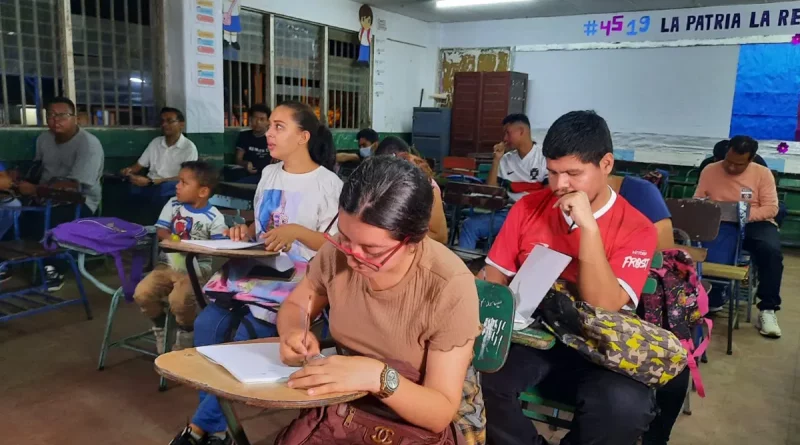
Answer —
(767, 91)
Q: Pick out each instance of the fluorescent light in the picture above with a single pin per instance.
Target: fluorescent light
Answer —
(136, 80)
(460, 3)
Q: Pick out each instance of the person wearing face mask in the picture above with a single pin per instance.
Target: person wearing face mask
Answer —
(367, 143)
(252, 152)
(296, 200)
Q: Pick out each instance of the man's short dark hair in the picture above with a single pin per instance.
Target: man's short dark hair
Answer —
(743, 145)
(368, 134)
(260, 108)
(721, 149)
(517, 118)
(178, 113)
(583, 134)
(205, 173)
(62, 100)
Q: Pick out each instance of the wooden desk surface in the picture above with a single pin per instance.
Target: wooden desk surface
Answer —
(177, 246)
(190, 368)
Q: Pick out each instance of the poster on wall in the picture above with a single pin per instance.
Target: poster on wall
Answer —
(231, 23)
(717, 22)
(366, 18)
(206, 74)
(204, 11)
(205, 42)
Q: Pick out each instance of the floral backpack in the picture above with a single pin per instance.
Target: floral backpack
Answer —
(618, 341)
(679, 305)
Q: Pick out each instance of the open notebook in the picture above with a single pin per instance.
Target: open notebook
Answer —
(251, 363)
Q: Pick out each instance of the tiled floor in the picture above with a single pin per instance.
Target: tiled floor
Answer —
(51, 392)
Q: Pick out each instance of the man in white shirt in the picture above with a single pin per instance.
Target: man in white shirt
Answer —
(162, 158)
(521, 170)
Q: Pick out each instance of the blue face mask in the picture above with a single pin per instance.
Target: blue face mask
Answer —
(365, 152)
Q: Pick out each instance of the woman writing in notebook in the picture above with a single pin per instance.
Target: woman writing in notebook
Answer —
(403, 309)
(295, 201)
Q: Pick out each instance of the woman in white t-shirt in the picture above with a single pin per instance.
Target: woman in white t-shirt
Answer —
(295, 202)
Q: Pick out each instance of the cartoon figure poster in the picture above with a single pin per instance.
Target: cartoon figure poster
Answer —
(366, 18)
(231, 23)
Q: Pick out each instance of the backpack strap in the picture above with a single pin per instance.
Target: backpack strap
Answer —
(131, 279)
(694, 355)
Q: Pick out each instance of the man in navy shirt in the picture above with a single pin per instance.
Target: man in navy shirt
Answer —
(251, 146)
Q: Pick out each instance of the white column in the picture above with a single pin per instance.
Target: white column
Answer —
(194, 84)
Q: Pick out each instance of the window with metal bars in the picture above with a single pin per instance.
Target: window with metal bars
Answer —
(113, 61)
(114, 58)
(30, 66)
(348, 82)
(298, 62)
(245, 69)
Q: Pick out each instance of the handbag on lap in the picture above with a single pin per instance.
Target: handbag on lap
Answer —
(365, 421)
(618, 341)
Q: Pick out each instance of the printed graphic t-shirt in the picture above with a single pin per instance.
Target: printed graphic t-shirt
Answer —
(628, 236)
(190, 223)
(309, 199)
(255, 149)
(523, 175)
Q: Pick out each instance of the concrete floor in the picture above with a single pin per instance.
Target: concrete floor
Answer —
(51, 392)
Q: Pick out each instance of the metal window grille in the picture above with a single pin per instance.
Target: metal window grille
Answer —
(112, 64)
(348, 82)
(245, 71)
(298, 62)
(29, 60)
(114, 56)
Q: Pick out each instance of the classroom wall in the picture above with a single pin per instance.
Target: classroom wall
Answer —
(405, 54)
(571, 29)
(671, 72)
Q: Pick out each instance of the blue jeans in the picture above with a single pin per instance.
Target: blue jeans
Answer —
(209, 329)
(480, 226)
(7, 217)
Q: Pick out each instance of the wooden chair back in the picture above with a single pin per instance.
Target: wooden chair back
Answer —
(456, 165)
(60, 196)
(477, 196)
(497, 322)
(699, 219)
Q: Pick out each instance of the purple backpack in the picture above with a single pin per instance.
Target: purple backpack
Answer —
(106, 236)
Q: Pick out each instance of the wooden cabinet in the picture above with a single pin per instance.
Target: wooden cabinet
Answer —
(480, 102)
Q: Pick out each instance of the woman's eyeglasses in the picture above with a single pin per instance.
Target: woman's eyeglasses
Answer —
(372, 264)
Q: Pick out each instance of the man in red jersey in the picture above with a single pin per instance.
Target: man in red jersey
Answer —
(611, 244)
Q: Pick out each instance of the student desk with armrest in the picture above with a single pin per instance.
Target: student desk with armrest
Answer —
(192, 369)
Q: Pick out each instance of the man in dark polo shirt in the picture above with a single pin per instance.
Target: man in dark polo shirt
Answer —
(611, 244)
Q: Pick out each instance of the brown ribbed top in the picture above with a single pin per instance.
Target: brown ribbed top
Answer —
(435, 306)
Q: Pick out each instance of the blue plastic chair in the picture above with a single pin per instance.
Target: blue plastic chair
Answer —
(36, 298)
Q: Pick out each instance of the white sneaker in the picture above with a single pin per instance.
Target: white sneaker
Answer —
(183, 340)
(160, 334)
(767, 324)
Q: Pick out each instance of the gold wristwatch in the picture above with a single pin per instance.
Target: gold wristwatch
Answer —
(390, 380)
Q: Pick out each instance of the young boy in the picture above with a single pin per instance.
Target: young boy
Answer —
(189, 217)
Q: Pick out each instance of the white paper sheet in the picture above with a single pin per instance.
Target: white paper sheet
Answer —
(281, 262)
(536, 276)
(250, 362)
(223, 244)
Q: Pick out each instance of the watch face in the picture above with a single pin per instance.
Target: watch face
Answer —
(392, 380)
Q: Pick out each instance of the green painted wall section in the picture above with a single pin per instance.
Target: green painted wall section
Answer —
(124, 145)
